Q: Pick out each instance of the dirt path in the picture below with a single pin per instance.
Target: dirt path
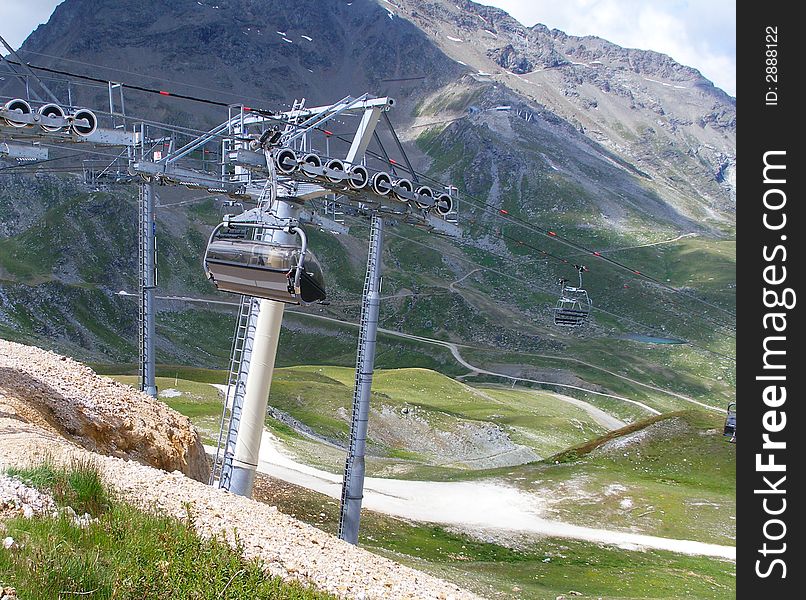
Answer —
(454, 349)
(629, 379)
(660, 243)
(601, 417)
(478, 370)
(451, 286)
(467, 504)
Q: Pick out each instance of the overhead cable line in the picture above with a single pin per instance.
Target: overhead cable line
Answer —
(497, 211)
(534, 286)
(141, 88)
(36, 162)
(237, 95)
(549, 233)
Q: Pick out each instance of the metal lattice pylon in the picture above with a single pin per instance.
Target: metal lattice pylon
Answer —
(147, 283)
(352, 491)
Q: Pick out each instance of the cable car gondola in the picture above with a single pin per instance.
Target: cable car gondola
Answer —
(730, 422)
(239, 261)
(574, 306)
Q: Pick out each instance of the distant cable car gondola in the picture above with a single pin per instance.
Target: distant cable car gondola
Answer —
(238, 260)
(730, 422)
(574, 306)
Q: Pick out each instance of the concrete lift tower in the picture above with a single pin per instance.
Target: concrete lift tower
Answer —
(303, 176)
(270, 159)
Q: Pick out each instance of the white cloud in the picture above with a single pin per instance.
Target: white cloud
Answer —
(697, 34)
(19, 18)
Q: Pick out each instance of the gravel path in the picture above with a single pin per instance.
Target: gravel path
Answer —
(54, 408)
(289, 548)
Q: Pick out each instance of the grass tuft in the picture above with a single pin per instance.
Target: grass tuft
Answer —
(78, 486)
(124, 553)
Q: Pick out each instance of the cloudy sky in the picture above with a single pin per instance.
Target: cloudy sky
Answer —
(700, 34)
(18, 18)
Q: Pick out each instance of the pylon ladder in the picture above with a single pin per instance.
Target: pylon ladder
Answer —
(240, 356)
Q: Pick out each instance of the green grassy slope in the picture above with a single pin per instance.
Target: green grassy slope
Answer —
(538, 569)
(407, 405)
(672, 476)
(315, 395)
(123, 552)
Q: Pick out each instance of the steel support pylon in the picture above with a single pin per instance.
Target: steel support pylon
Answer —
(147, 277)
(352, 492)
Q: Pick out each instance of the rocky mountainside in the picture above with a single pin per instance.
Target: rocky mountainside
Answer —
(664, 118)
(242, 49)
(614, 148)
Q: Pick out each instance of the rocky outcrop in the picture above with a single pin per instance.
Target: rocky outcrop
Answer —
(97, 413)
(18, 499)
(509, 58)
